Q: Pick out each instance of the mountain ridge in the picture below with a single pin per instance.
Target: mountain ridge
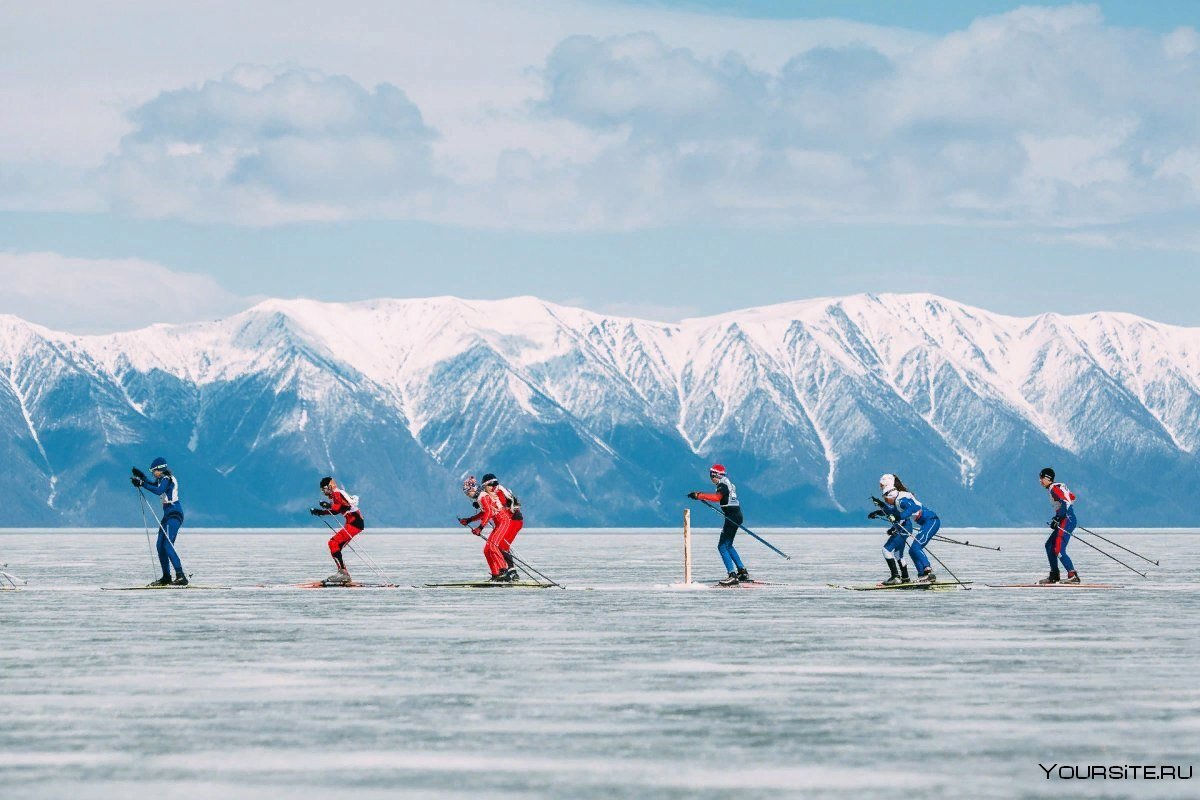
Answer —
(588, 414)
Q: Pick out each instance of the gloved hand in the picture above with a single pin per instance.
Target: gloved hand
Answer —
(464, 521)
(317, 512)
(877, 501)
(693, 495)
(325, 505)
(477, 531)
(1053, 524)
(876, 514)
(138, 482)
(137, 473)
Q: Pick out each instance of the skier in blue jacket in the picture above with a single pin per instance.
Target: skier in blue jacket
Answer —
(905, 510)
(166, 486)
(893, 548)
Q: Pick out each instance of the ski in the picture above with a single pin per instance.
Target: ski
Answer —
(351, 585)
(914, 586)
(1053, 586)
(488, 585)
(159, 588)
(744, 585)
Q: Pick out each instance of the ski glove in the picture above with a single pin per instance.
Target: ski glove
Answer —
(325, 505)
(693, 495)
(477, 531)
(464, 521)
(136, 481)
(317, 512)
(878, 513)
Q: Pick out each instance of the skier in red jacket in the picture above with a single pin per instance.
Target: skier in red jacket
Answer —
(340, 502)
(493, 508)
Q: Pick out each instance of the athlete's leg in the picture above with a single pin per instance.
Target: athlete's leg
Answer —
(917, 553)
(1064, 538)
(491, 551)
(338, 541)
(1052, 553)
(172, 523)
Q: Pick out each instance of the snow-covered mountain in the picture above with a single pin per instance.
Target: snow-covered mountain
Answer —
(601, 420)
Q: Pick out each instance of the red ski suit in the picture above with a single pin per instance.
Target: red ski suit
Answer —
(354, 525)
(506, 523)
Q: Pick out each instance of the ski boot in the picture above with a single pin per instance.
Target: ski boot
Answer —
(743, 575)
(927, 576)
(339, 578)
(180, 580)
(895, 576)
(512, 575)
(165, 580)
(732, 580)
(894, 580)
(1047, 581)
(499, 577)
(904, 574)
(1072, 577)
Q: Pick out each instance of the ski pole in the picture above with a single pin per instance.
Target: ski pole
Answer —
(370, 564)
(531, 569)
(948, 540)
(935, 558)
(1114, 544)
(146, 525)
(524, 565)
(1114, 558)
(747, 530)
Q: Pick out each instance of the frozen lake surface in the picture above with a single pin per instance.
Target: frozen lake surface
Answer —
(631, 689)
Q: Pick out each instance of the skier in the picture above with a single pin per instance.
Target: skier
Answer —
(491, 509)
(340, 502)
(166, 486)
(893, 548)
(909, 512)
(1061, 527)
(503, 537)
(726, 495)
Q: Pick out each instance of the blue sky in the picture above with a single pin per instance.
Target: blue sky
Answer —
(660, 159)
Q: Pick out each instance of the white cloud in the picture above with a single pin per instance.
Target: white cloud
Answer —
(594, 117)
(100, 295)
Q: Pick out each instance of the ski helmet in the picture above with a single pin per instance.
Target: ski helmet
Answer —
(1048, 472)
(158, 463)
(489, 479)
(887, 482)
(326, 481)
(717, 469)
(470, 485)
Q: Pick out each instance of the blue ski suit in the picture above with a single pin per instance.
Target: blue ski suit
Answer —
(1062, 526)
(167, 487)
(910, 513)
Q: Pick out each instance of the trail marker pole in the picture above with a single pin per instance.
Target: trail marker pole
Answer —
(687, 546)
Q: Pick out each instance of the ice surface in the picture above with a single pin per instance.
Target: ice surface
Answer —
(629, 689)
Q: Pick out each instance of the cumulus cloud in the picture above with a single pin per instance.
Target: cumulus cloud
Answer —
(102, 295)
(1038, 116)
(260, 147)
(1043, 117)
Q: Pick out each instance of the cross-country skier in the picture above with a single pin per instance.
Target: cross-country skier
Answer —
(166, 486)
(340, 502)
(910, 513)
(504, 536)
(491, 509)
(1061, 528)
(726, 495)
(893, 548)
